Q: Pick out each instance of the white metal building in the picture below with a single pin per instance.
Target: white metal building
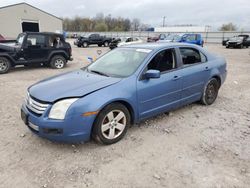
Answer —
(22, 17)
(183, 29)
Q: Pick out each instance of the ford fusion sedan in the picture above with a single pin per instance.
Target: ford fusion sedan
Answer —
(123, 87)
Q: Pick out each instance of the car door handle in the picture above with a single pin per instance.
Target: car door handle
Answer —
(206, 68)
(176, 78)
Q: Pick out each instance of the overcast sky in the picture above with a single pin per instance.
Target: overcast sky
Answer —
(198, 12)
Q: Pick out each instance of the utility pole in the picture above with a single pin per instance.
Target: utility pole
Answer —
(163, 24)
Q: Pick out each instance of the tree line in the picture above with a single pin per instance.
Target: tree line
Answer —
(103, 23)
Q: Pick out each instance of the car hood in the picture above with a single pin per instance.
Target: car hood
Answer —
(73, 84)
(8, 47)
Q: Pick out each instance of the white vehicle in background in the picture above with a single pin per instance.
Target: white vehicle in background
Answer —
(124, 41)
(130, 40)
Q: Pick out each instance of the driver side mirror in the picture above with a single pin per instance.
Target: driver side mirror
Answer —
(152, 74)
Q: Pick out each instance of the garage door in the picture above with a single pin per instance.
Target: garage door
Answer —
(30, 26)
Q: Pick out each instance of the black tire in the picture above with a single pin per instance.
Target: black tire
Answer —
(247, 46)
(57, 62)
(106, 44)
(100, 45)
(210, 92)
(78, 45)
(101, 135)
(5, 65)
(85, 44)
(227, 46)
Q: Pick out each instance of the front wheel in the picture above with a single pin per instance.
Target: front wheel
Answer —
(106, 44)
(58, 62)
(111, 124)
(85, 44)
(5, 65)
(210, 92)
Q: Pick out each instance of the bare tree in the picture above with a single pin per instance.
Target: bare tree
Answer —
(228, 27)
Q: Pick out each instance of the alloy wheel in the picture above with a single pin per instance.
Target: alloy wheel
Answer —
(59, 63)
(3, 65)
(113, 124)
(211, 93)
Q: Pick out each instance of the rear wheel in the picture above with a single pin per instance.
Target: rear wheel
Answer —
(58, 62)
(111, 124)
(210, 92)
(5, 65)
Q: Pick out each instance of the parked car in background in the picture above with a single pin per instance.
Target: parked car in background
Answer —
(224, 42)
(1, 38)
(85, 41)
(238, 42)
(123, 87)
(124, 41)
(155, 38)
(190, 38)
(169, 38)
(35, 48)
(74, 36)
(162, 37)
(114, 42)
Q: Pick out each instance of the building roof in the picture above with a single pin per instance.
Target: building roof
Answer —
(23, 3)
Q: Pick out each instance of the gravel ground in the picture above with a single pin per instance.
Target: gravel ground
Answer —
(194, 146)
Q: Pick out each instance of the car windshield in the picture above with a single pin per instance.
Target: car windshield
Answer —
(86, 36)
(169, 37)
(20, 39)
(121, 62)
(177, 38)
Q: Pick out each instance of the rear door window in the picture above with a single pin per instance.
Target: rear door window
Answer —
(192, 56)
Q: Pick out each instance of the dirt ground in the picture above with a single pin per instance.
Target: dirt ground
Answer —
(195, 146)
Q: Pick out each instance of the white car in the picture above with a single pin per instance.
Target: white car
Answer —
(129, 40)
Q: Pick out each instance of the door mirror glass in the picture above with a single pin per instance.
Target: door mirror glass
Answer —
(152, 74)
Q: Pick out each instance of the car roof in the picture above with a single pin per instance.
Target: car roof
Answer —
(43, 33)
(156, 45)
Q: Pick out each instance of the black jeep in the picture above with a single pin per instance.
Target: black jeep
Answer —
(32, 48)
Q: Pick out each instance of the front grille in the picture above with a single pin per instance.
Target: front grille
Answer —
(35, 106)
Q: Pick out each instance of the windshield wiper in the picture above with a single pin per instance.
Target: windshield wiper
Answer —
(98, 72)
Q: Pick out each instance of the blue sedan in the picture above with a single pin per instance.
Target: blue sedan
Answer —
(121, 88)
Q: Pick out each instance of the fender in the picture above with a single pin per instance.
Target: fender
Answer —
(58, 52)
(6, 55)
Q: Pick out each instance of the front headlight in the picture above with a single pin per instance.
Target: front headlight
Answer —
(59, 109)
